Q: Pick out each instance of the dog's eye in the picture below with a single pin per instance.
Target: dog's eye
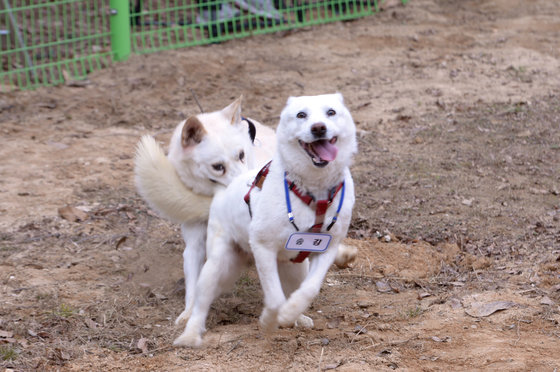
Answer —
(331, 112)
(301, 115)
(241, 155)
(219, 167)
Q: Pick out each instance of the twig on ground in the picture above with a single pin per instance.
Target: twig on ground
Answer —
(196, 100)
(235, 346)
(320, 359)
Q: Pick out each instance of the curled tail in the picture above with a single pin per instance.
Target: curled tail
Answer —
(160, 186)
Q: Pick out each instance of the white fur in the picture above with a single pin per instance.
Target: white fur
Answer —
(226, 137)
(233, 237)
(159, 184)
(178, 186)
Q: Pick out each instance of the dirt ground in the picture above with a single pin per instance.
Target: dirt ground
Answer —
(457, 105)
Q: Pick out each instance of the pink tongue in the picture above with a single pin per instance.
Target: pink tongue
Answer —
(326, 150)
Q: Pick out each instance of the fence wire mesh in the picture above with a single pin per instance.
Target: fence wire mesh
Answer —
(160, 25)
(47, 42)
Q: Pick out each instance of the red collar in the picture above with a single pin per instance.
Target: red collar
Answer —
(308, 198)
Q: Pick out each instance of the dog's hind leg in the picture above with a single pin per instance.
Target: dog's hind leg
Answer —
(291, 275)
(221, 269)
(301, 298)
(345, 256)
(193, 259)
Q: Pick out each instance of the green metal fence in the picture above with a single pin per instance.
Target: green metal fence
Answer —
(47, 42)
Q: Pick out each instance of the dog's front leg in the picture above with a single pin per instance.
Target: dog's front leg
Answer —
(193, 259)
(267, 267)
(300, 299)
(220, 271)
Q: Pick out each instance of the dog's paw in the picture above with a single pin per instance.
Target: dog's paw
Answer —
(268, 320)
(289, 314)
(304, 321)
(181, 319)
(188, 339)
(345, 256)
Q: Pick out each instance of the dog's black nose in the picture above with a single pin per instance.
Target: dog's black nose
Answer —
(318, 130)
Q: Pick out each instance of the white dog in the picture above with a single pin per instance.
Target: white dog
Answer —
(206, 152)
(305, 205)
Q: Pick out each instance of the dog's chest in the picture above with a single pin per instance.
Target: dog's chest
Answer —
(274, 228)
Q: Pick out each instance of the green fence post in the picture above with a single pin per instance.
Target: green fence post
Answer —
(120, 29)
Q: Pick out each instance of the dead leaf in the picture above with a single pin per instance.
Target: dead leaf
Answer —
(383, 287)
(332, 366)
(6, 334)
(534, 190)
(403, 117)
(121, 240)
(23, 342)
(547, 301)
(457, 284)
(69, 81)
(72, 214)
(364, 304)
(333, 323)
(445, 339)
(479, 309)
(58, 145)
(432, 358)
(43, 334)
(360, 330)
(60, 355)
(50, 105)
(90, 323)
(455, 304)
(143, 345)
(423, 295)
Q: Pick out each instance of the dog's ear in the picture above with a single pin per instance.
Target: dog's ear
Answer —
(193, 132)
(252, 130)
(233, 111)
(339, 96)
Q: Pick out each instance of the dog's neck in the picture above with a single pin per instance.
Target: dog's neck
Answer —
(315, 181)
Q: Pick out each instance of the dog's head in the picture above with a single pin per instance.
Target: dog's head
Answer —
(210, 149)
(317, 130)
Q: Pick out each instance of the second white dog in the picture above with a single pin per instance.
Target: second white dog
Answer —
(303, 209)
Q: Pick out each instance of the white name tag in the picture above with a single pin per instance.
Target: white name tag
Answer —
(309, 242)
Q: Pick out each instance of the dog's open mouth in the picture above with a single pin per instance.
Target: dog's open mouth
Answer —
(321, 151)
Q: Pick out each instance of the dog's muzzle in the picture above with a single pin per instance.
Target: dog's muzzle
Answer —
(321, 152)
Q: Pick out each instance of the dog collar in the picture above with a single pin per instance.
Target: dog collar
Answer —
(320, 206)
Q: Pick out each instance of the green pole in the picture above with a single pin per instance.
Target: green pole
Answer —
(120, 29)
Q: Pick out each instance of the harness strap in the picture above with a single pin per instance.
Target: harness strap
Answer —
(257, 182)
(321, 206)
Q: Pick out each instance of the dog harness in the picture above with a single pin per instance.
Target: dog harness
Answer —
(320, 206)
